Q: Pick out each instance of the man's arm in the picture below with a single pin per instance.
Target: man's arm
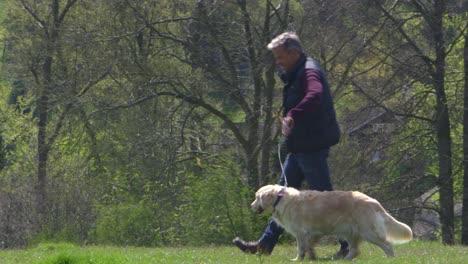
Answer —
(313, 95)
(310, 102)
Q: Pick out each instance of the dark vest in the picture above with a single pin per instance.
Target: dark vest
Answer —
(312, 131)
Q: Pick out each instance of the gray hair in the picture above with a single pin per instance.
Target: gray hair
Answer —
(289, 40)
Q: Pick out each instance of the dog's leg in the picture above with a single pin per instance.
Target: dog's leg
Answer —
(388, 248)
(311, 249)
(385, 245)
(353, 248)
(381, 241)
(302, 245)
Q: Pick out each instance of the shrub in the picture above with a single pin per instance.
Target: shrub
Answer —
(127, 224)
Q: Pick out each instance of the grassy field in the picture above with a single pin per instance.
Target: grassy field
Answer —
(414, 252)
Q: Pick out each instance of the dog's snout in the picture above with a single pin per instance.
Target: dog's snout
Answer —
(257, 207)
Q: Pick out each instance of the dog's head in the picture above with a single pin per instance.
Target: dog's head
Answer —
(265, 197)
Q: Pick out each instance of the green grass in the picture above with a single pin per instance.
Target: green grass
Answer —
(414, 252)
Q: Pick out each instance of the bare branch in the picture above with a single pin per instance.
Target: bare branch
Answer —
(70, 3)
(41, 22)
(429, 62)
(59, 125)
(192, 100)
(91, 83)
(455, 41)
(381, 105)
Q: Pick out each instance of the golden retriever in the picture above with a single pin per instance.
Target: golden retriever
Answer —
(310, 215)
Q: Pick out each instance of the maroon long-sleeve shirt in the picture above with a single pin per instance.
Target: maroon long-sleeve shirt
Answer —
(313, 94)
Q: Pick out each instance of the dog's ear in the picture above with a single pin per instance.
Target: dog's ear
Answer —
(267, 198)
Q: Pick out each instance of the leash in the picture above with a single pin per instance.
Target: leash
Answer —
(281, 164)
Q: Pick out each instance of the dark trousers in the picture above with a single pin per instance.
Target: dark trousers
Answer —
(312, 167)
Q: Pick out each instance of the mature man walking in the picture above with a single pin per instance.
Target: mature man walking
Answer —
(309, 127)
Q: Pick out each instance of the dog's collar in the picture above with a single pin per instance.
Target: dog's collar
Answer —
(280, 196)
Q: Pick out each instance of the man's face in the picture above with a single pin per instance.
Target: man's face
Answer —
(285, 58)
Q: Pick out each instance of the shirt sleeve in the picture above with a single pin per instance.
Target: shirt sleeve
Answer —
(313, 94)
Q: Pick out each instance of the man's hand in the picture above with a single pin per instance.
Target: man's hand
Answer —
(287, 124)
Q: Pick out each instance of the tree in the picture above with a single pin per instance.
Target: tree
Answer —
(51, 31)
(429, 60)
(42, 48)
(464, 232)
(237, 66)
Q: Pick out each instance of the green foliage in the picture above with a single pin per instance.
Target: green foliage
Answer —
(218, 206)
(18, 90)
(127, 224)
(16, 188)
(213, 207)
(2, 153)
(130, 167)
(3, 14)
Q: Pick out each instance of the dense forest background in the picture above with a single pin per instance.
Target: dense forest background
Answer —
(152, 123)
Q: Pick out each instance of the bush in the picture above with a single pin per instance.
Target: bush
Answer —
(127, 224)
(218, 208)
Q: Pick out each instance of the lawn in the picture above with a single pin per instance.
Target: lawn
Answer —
(414, 252)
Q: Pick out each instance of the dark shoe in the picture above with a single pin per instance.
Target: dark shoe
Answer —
(341, 254)
(252, 247)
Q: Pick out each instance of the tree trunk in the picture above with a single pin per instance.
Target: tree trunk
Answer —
(267, 138)
(42, 145)
(270, 81)
(445, 175)
(253, 118)
(444, 142)
(51, 36)
(464, 235)
(43, 154)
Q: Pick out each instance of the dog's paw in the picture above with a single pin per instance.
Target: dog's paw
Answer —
(297, 259)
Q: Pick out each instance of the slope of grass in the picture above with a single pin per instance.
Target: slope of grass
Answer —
(414, 252)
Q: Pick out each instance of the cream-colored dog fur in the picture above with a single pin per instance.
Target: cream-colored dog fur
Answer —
(310, 215)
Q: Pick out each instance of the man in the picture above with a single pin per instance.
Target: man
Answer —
(309, 126)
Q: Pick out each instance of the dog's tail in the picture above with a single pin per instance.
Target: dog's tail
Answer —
(397, 232)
